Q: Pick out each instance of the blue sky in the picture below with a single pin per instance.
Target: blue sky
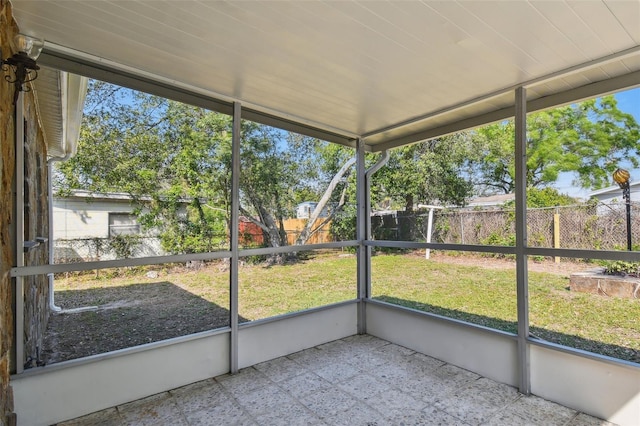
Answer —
(628, 101)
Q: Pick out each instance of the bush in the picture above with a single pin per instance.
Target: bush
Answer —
(619, 267)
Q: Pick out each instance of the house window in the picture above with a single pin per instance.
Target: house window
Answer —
(123, 224)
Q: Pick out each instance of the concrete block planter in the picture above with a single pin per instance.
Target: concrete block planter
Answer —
(597, 282)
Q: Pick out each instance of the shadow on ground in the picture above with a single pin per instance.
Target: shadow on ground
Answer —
(126, 316)
(621, 352)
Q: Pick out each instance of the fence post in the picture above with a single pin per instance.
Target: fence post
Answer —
(556, 234)
(429, 229)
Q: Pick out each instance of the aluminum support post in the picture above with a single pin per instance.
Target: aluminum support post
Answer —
(235, 218)
(361, 235)
(524, 377)
(19, 231)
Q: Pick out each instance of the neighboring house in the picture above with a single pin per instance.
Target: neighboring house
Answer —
(83, 218)
(305, 209)
(83, 214)
(613, 194)
(497, 200)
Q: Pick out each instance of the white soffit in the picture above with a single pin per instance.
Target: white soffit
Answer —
(392, 72)
(60, 100)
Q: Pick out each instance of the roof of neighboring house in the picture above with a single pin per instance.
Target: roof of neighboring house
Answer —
(615, 190)
(491, 200)
(107, 196)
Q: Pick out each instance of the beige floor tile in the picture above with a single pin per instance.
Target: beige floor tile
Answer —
(394, 403)
(280, 369)
(358, 415)
(265, 399)
(108, 417)
(478, 401)
(292, 414)
(363, 386)
(305, 384)
(157, 410)
(328, 402)
(226, 413)
(244, 381)
(586, 420)
(531, 410)
(200, 395)
(359, 380)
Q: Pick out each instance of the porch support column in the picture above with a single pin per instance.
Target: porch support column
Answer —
(361, 236)
(235, 218)
(19, 231)
(524, 378)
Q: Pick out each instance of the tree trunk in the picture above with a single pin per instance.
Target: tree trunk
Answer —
(306, 231)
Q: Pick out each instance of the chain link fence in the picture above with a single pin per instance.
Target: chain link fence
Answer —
(93, 249)
(585, 226)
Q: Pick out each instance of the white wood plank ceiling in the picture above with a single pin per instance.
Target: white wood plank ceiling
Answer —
(392, 72)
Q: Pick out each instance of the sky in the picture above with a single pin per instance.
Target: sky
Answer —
(629, 102)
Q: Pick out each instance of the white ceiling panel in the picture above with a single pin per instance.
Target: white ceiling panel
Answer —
(391, 72)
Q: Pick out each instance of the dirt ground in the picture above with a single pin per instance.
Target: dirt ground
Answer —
(153, 311)
(147, 313)
(564, 268)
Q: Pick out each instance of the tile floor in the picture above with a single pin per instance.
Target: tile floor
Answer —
(360, 380)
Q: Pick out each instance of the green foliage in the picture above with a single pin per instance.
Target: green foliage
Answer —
(124, 246)
(500, 239)
(588, 139)
(175, 162)
(619, 267)
(425, 173)
(547, 197)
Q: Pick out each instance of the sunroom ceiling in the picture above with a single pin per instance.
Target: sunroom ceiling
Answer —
(391, 72)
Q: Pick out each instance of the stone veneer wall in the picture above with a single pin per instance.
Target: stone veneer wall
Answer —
(36, 224)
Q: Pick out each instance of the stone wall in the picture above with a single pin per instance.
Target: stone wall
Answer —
(36, 224)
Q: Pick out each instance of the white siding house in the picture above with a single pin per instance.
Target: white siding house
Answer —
(613, 194)
(82, 218)
(86, 215)
(304, 210)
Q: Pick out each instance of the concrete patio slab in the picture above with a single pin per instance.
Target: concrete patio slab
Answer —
(360, 380)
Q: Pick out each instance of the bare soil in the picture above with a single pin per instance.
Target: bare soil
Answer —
(125, 317)
(563, 268)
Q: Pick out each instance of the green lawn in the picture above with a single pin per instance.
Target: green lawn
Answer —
(487, 296)
(473, 293)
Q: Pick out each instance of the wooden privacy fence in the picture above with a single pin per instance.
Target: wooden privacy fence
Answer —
(293, 228)
(251, 234)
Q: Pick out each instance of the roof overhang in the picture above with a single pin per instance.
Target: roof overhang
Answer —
(60, 101)
(389, 72)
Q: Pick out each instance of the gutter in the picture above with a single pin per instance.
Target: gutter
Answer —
(73, 91)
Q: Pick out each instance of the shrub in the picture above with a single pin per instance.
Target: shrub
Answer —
(619, 267)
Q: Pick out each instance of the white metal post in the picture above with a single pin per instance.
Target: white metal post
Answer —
(235, 219)
(361, 236)
(19, 237)
(427, 252)
(521, 240)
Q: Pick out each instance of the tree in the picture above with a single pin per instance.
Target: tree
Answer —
(175, 162)
(427, 173)
(589, 139)
(171, 158)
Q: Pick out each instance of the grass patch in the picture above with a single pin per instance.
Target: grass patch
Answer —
(487, 296)
(173, 300)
